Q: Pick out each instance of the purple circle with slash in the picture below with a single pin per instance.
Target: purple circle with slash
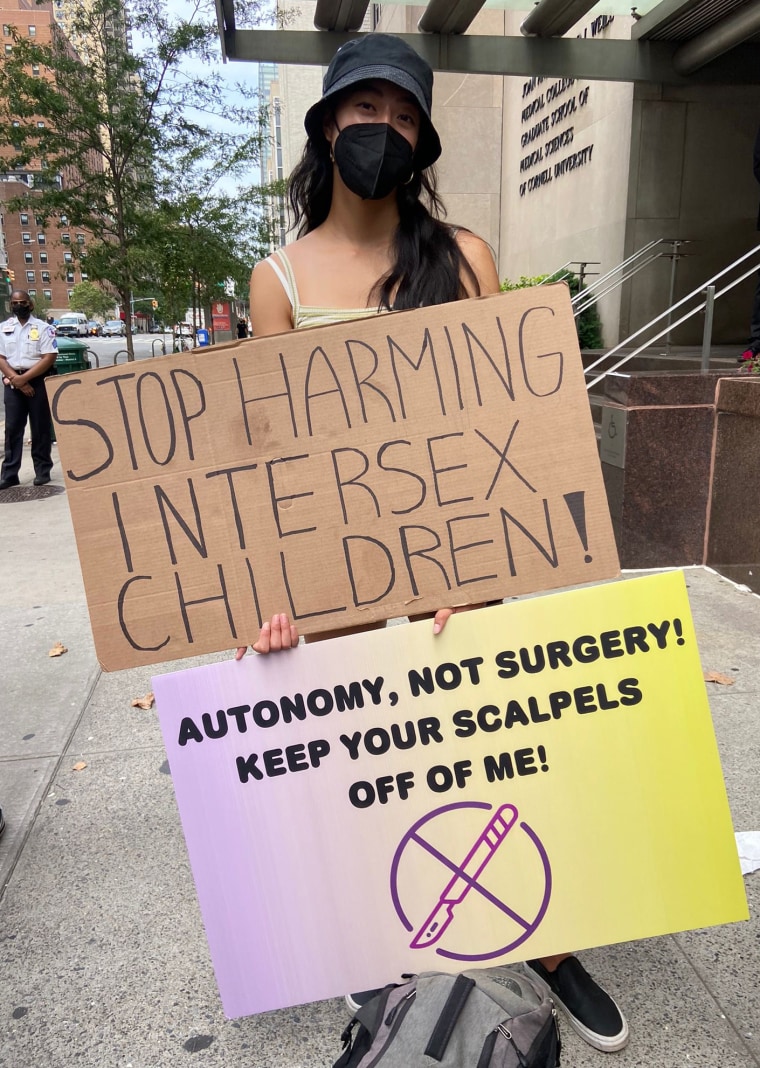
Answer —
(412, 835)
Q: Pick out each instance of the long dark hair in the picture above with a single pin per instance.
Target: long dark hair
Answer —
(427, 265)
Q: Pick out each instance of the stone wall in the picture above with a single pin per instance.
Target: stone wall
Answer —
(679, 458)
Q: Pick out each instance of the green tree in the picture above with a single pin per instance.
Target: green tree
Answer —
(117, 125)
(41, 305)
(91, 299)
(588, 324)
(209, 240)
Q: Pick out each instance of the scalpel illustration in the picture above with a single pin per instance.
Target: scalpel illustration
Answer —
(473, 864)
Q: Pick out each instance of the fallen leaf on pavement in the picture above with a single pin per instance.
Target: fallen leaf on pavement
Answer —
(144, 702)
(722, 680)
(80, 766)
(58, 650)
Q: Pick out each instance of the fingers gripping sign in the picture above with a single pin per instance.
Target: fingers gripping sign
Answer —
(279, 633)
(276, 635)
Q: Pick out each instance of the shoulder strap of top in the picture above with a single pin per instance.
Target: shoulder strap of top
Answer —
(281, 266)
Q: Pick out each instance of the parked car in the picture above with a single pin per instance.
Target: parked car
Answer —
(94, 328)
(114, 328)
(184, 329)
(72, 324)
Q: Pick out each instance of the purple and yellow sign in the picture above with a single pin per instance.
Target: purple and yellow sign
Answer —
(542, 776)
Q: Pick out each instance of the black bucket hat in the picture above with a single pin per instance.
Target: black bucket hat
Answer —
(381, 55)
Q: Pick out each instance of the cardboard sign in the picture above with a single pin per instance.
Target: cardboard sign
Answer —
(542, 776)
(345, 474)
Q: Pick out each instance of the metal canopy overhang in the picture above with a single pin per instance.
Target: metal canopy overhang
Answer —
(594, 60)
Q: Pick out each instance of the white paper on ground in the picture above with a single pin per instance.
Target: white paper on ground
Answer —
(748, 844)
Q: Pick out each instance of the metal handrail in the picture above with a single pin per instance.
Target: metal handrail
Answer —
(701, 290)
(552, 274)
(590, 294)
(582, 274)
(621, 266)
(583, 300)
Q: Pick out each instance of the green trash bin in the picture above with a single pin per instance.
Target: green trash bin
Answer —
(72, 356)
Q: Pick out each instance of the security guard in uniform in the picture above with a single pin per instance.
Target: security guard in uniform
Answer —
(27, 354)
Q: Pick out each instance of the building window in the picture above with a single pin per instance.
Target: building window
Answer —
(80, 239)
(26, 239)
(85, 276)
(66, 238)
(24, 219)
(35, 70)
(28, 257)
(32, 292)
(68, 258)
(43, 257)
(64, 220)
(30, 276)
(39, 221)
(40, 239)
(47, 294)
(6, 30)
(32, 31)
(69, 275)
(45, 277)
(40, 125)
(8, 49)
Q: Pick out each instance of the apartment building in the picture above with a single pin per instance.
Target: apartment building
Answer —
(41, 257)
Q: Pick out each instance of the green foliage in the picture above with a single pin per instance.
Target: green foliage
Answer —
(588, 324)
(128, 132)
(41, 306)
(523, 282)
(88, 298)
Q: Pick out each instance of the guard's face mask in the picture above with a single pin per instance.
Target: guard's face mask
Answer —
(21, 311)
(373, 159)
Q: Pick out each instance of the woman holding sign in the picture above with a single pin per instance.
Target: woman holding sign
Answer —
(371, 240)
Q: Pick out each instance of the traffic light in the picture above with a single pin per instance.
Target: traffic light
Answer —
(154, 304)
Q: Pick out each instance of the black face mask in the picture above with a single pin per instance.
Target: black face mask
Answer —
(21, 311)
(373, 159)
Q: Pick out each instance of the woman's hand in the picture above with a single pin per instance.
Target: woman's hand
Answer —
(274, 636)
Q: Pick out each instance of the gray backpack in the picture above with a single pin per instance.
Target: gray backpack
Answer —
(485, 1018)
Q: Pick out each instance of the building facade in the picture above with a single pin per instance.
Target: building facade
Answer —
(554, 171)
(43, 258)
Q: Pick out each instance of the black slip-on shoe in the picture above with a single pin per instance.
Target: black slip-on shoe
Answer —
(7, 483)
(590, 1010)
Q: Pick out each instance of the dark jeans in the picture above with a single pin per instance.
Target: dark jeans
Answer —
(36, 409)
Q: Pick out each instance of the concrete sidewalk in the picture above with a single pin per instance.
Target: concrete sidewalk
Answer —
(103, 957)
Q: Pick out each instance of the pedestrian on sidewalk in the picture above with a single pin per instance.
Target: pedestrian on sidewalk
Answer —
(372, 240)
(28, 350)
